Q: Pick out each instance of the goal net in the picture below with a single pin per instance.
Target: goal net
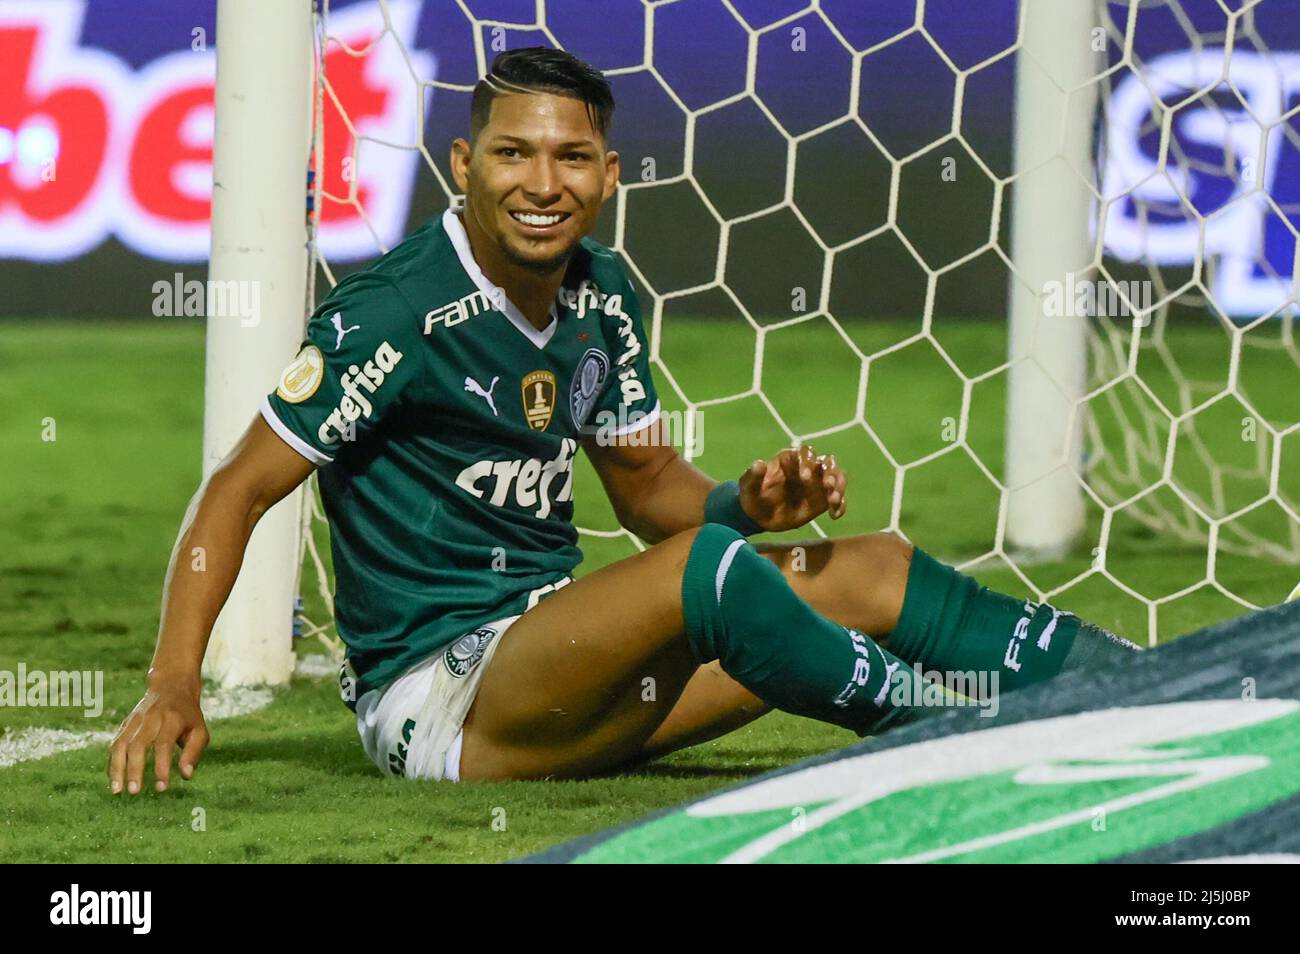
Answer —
(1034, 285)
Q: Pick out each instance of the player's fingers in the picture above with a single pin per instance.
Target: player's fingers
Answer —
(830, 486)
(163, 749)
(778, 470)
(195, 743)
(753, 476)
(789, 461)
(826, 470)
(833, 482)
(137, 750)
(840, 504)
(831, 471)
(117, 756)
(807, 463)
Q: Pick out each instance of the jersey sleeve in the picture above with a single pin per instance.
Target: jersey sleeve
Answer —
(360, 357)
(629, 401)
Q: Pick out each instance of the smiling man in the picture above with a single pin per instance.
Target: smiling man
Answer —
(443, 394)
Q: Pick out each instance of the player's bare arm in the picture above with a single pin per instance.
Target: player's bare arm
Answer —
(259, 472)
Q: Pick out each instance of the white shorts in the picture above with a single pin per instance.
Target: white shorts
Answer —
(412, 728)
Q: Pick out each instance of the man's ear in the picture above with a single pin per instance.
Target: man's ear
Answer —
(613, 170)
(460, 155)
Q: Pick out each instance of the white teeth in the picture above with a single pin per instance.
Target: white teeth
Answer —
(528, 218)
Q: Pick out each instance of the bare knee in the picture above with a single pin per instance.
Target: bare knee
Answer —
(857, 581)
(887, 558)
(883, 560)
(884, 550)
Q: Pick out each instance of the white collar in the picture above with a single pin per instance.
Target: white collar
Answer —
(455, 230)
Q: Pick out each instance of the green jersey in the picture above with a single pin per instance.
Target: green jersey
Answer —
(445, 427)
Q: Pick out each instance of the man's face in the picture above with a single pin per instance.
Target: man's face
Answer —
(536, 177)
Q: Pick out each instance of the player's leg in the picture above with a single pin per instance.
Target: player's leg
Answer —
(856, 581)
(582, 679)
(929, 613)
(579, 683)
(591, 673)
(921, 610)
(949, 622)
(711, 705)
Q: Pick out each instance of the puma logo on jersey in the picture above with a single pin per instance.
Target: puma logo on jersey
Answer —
(356, 383)
(530, 481)
(475, 388)
(454, 312)
(337, 322)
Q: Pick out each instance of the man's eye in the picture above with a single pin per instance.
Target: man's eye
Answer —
(576, 157)
(508, 151)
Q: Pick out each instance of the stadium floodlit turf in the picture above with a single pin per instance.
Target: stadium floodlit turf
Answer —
(89, 520)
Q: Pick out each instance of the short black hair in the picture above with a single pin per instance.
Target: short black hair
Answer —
(542, 69)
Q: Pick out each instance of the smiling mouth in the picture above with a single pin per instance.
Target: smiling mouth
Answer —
(539, 220)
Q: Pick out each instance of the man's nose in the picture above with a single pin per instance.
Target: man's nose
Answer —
(541, 184)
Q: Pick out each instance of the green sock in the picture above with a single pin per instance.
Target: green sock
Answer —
(950, 622)
(740, 610)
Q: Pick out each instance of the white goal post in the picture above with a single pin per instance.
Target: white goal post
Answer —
(1054, 110)
(263, 122)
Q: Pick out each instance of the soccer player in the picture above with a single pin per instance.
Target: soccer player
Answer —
(443, 394)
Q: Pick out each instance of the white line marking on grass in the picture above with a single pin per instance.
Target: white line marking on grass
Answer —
(228, 703)
(28, 745)
(316, 666)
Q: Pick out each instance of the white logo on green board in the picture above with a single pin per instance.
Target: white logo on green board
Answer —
(1023, 792)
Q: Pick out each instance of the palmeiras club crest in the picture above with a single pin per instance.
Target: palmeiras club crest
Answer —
(463, 655)
(588, 381)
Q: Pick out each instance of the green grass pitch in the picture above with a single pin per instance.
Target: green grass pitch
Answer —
(89, 519)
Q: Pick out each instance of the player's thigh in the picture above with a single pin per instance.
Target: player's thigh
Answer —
(602, 660)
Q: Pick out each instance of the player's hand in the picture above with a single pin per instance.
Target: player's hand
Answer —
(164, 717)
(793, 488)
